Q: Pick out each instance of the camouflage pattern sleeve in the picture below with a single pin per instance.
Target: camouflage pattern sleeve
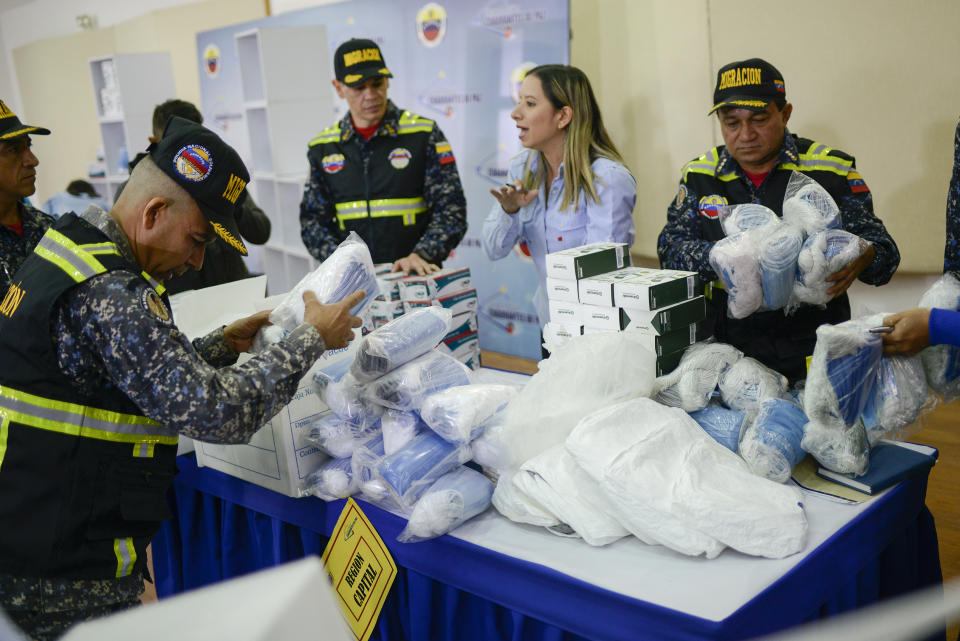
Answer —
(951, 250)
(214, 349)
(443, 194)
(318, 222)
(856, 209)
(110, 332)
(679, 245)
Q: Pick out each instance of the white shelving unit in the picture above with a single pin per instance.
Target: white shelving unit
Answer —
(284, 106)
(127, 87)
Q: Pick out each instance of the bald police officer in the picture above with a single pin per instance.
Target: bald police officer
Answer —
(98, 382)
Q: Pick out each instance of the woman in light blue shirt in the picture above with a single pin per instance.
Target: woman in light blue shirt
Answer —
(571, 187)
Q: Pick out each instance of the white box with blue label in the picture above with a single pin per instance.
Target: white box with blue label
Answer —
(439, 284)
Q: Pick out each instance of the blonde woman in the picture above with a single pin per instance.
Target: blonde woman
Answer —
(570, 187)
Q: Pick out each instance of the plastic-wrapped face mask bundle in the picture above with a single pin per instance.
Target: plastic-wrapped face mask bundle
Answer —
(399, 428)
(693, 382)
(808, 206)
(347, 400)
(738, 218)
(323, 379)
(748, 382)
(333, 480)
(822, 254)
(898, 396)
(459, 414)
(777, 253)
(771, 445)
(339, 437)
(406, 387)
(409, 472)
(400, 341)
(346, 270)
(554, 480)
(723, 425)
(942, 362)
(734, 258)
(364, 461)
(453, 499)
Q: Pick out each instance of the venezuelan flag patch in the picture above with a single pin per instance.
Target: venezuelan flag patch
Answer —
(857, 184)
(444, 153)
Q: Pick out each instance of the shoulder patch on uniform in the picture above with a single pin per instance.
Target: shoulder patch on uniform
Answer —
(152, 302)
(857, 184)
(444, 152)
(681, 195)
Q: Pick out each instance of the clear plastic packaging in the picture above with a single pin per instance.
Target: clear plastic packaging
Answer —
(942, 362)
(400, 341)
(694, 380)
(734, 259)
(333, 480)
(739, 218)
(453, 499)
(777, 253)
(346, 270)
(406, 387)
(771, 445)
(899, 395)
(347, 400)
(748, 382)
(824, 253)
(514, 504)
(410, 471)
(723, 425)
(399, 428)
(339, 437)
(364, 462)
(459, 414)
(267, 336)
(808, 206)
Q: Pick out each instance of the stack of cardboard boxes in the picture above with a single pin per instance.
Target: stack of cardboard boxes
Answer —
(595, 289)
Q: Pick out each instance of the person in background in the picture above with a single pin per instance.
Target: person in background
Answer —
(387, 174)
(753, 166)
(570, 187)
(951, 250)
(21, 225)
(222, 264)
(78, 195)
(97, 381)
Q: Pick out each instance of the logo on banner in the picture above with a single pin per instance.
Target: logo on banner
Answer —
(443, 103)
(211, 60)
(503, 18)
(710, 205)
(516, 79)
(193, 163)
(431, 24)
(332, 163)
(400, 158)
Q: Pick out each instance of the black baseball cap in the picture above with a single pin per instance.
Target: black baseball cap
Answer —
(358, 59)
(208, 169)
(749, 84)
(11, 127)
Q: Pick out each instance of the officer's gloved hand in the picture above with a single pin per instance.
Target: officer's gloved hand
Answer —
(334, 322)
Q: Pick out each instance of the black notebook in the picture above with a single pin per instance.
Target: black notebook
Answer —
(890, 463)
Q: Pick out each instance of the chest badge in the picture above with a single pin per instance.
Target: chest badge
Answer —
(400, 157)
(710, 206)
(332, 163)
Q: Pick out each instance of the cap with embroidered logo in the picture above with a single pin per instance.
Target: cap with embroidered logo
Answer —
(358, 59)
(208, 169)
(749, 84)
(11, 127)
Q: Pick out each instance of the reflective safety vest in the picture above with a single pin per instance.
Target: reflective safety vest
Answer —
(83, 480)
(781, 342)
(377, 185)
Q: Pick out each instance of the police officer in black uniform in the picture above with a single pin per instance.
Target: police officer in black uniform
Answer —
(97, 381)
(389, 175)
(754, 166)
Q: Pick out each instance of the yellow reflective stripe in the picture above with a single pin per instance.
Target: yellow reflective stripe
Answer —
(144, 449)
(46, 254)
(330, 134)
(408, 117)
(126, 556)
(705, 164)
(4, 430)
(819, 163)
(73, 253)
(96, 249)
(157, 286)
(412, 129)
(727, 177)
(352, 206)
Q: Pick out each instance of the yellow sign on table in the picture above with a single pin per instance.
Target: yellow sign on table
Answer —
(361, 569)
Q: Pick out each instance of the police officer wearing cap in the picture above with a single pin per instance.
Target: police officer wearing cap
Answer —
(97, 381)
(21, 225)
(754, 166)
(387, 174)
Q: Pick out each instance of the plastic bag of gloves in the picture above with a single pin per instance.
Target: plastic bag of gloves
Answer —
(734, 259)
(748, 382)
(346, 270)
(824, 253)
(337, 436)
(554, 480)
(692, 383)
(777, 254)
(808, 206)
(406, 387)
(453, 499)
(740, 218)
(771, 445)
(673, 483)
(840, 381)
(400, 341)
(899, 395)
(333, 480)
(410, 471)
(459, 414)
(942, 362)
(721, 424)
(399, 428)
(582, 376)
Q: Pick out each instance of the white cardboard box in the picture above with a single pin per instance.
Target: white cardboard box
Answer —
(565, 312)
(598, 290)
(587, 260)
(562, 289)
(440, 284)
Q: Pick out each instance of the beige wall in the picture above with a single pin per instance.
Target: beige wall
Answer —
(55, 85)
(875, 78)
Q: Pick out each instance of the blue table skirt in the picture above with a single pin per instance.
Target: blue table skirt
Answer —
(449, 589)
